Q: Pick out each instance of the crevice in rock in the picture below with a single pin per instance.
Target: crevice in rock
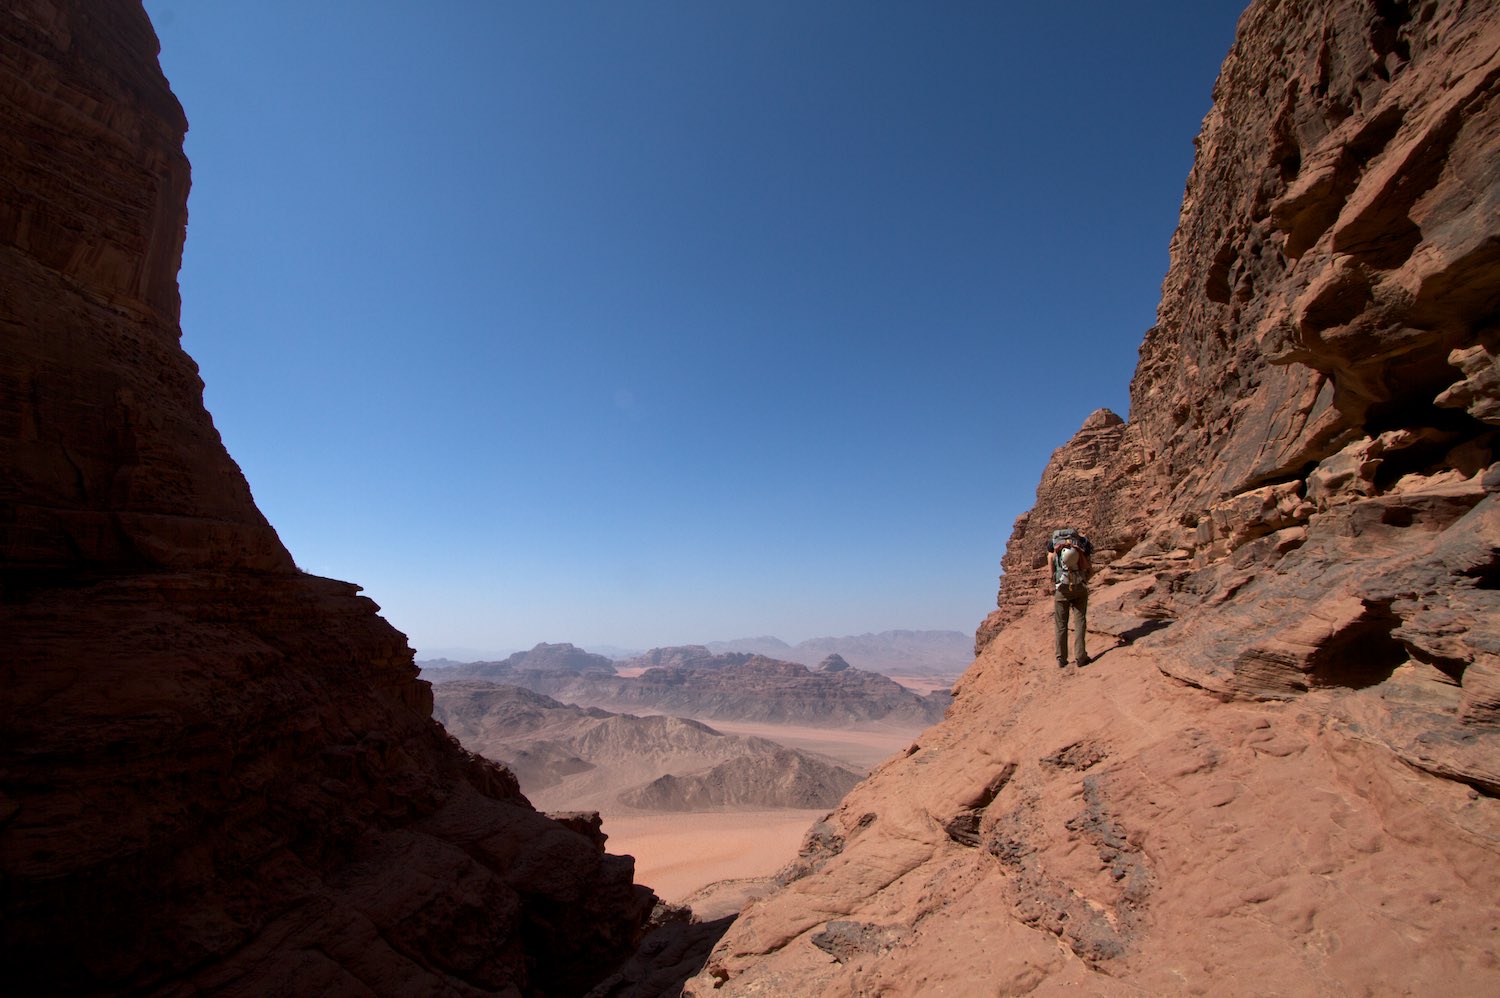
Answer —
(1413, 409)
(1428, 453)
(1217, 286)
(1453, 668)
(963, 827)
(1386, 37)
(1363, 654)
(1480, 786)
(1486, 576)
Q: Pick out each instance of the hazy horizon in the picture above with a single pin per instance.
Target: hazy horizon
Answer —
(615, 322)
(457, 652)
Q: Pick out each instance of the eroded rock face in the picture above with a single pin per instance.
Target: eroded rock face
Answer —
(1308, 473)
(216, 773)
(1280, 774)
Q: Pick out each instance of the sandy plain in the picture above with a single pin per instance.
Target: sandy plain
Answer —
(717, 861)
(927, 684)
(679, 855)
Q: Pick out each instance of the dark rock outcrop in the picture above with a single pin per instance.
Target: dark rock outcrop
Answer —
(217, 774)
(1279, 775)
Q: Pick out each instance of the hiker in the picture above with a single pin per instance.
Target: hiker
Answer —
(1068, 566)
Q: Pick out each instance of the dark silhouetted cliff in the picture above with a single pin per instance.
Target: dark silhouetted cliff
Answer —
(217, 774)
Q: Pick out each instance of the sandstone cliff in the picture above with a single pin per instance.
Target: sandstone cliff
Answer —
(1280, 775)
(216, 774)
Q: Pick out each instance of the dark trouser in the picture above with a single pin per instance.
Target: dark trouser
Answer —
(1065, 599)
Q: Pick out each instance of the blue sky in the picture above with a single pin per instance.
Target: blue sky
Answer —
(646, 323)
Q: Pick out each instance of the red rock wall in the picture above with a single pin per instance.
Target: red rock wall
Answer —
(217, 774)
(1328, 326)
(1280, 774)
(112, 458)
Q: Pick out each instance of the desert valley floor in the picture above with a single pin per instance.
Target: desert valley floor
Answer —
(713, 861)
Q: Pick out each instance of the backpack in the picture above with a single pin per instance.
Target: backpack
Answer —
(1070, 562)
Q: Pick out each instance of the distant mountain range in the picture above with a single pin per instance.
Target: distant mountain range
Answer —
(891, 653)
(543, 658)
(692, 681)
(573, 757)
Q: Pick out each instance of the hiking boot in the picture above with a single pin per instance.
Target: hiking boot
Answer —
(1084, 661)
(1062, 663)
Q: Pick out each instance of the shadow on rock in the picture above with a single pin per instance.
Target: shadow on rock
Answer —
(675, 950)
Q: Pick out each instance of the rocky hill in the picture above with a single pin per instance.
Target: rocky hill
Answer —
(785, 778)
(570, 757)
(220, 775)
(544, 657)
(729, 687)
(1280, 774)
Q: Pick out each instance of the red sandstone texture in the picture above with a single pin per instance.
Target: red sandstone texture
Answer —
(216, 774)
(1280, 775)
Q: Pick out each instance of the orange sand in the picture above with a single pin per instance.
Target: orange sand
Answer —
(677, 854)
(926, 684)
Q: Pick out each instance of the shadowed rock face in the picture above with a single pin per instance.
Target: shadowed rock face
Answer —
(1280, 775)
(216, 773)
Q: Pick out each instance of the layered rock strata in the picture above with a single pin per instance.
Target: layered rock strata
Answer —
(1280, 775)
(217, 774)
